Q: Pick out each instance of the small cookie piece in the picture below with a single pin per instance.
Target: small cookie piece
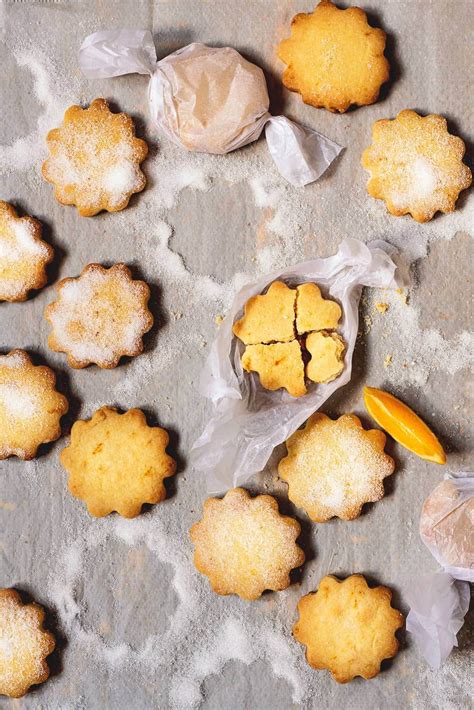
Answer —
(327, 356)
(99, 316)
(270, 326)
(30, 406)
(334, 58)
(333, 467)
(244, 545)
(268, 318)
(313, 312)
(347, 627)
(415, 165)
(278, 365)
(24, 645)
(94, 159)
(23, 255)
(116, 462)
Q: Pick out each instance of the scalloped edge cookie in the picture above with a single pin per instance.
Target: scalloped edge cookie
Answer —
(70, 167)
(105, 355)
(348, 627)
(238, 564)
(117, 462)
(405, 171)
(312, 67)
(35, 255)
(17, 368)
(33, 669)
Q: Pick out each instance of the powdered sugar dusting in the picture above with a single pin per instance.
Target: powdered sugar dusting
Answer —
(17, 402)
(334, 467)
(100, 316)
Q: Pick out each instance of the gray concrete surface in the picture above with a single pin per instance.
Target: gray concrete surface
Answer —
(138, 626)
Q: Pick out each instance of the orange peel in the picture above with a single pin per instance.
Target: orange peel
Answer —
(403, 425)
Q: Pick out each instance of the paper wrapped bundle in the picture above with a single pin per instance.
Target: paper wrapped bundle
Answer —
(209, 100)
(440, 601)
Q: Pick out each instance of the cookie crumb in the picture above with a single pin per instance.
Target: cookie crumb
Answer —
(218, 319)
(382, 307)
(388, 361)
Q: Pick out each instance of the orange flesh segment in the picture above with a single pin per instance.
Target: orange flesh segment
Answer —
(403, 425)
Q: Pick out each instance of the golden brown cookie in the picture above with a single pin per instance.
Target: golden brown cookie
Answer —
(268, 318)
(24, 645)
(278, 365)
(244, 545)
(333, 467)
(30, 406)
(334, 58)
(415, 165)
(23, 255)
(313, 312)
(327, 356)
(116, 462)
(94, 159)
(273, 328)
(347, 627)
(99, 316)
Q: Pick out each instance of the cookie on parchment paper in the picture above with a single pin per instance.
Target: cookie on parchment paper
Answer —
(117, 462)
(333, 467)
(30, 406)
(334, 58)
(347, 627)
(94, 159)
(23, 255)
(99, 317)
(415, 165)
(244, 545)
(24, 645)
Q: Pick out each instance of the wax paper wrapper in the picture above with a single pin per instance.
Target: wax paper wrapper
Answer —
(210, 100)
(440, 601)
(248, 421)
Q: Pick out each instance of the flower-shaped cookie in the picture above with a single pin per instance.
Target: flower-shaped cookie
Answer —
(244, 545)
(334, 58)
(23, 255)
(285, 327)
(116, 462)
(333, 467)
(24, 645)
(99, 317)
(30, 406)
(348, 628)
(94, 159)
(415, 165)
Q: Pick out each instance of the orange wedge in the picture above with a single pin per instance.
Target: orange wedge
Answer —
(403, 425)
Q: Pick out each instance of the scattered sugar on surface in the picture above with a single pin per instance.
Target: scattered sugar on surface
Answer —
(419, 351)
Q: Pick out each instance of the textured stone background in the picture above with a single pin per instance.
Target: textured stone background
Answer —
(138, 626)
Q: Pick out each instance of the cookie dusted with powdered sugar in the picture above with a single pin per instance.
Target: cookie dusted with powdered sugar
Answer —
(416, 165)
(94, 159)
(24, 645)
(23, 255)
(99, 317)
(245, 546)
(333, 467)
(30, 406)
